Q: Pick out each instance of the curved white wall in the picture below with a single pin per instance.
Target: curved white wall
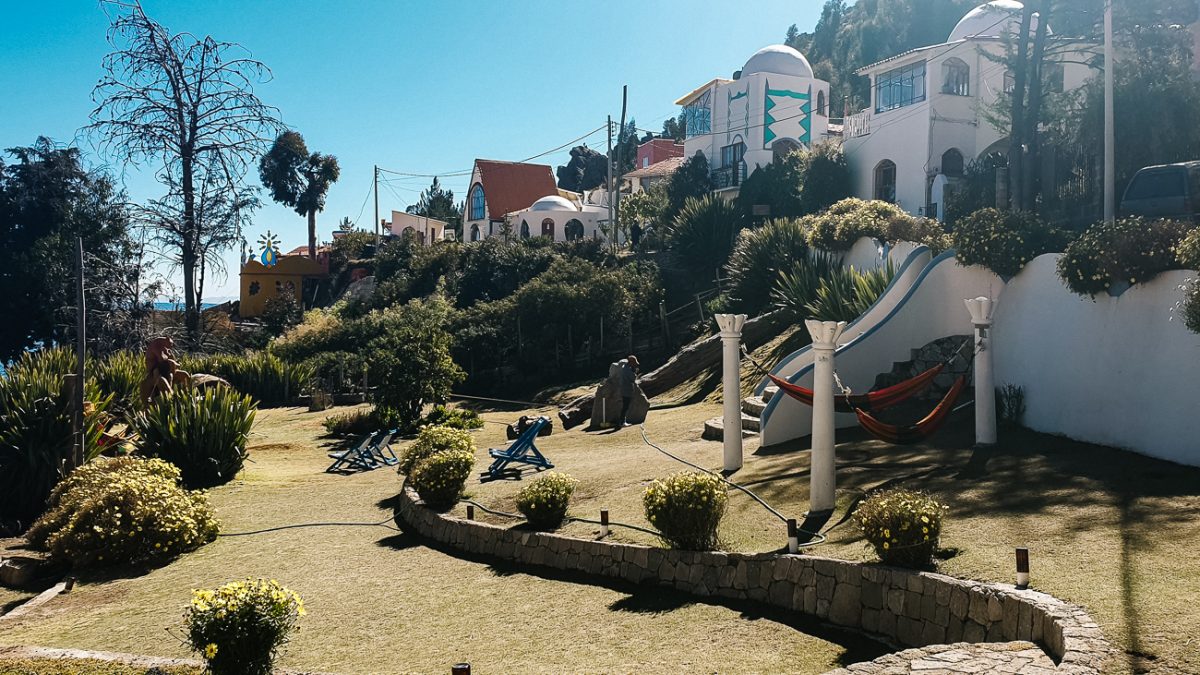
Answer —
(1115, 371)
(932, 308)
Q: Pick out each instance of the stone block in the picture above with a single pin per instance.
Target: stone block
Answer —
(872, 594)
(908, 631)
(895, 601)
(825, 587)
(697, 575)
(941, 616)
(741, 576)
(960, 602)
(954, 630)
(912, 604)
(822, 608)
(995, 632)
(808, 575)
(810, 600)
(780, 569)
(725, 577)
(973, 632)
(1025, 622)
(941, 593)
(1008, 622)
(978, 611)
(995, 609)
(928, 607)
(916, 583)
(887, 624)
(780, 593)
(869, 621)
(846, 607)
(932, 634)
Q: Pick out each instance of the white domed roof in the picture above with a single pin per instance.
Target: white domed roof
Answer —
(780, 59)
(992, 19)
(553, 203)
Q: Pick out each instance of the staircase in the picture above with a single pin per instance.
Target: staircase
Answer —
(752, 408)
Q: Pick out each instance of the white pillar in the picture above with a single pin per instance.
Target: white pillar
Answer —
(731, 390)
(985, 381)
(825, 335)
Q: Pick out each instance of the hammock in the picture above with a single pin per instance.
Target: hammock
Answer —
(874, 400)
(913, 433)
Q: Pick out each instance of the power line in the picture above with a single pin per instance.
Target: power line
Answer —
(467, 172)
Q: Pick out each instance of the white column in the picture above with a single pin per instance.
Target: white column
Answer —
(731, 390)
(985, 381)
(822, 478)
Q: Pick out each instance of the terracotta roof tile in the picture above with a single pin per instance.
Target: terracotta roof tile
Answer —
(663, 168)
(512, 186)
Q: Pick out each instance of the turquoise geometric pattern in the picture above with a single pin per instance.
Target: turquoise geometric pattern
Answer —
(793, 121)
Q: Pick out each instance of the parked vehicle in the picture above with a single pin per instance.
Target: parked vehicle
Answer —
(1164, 191)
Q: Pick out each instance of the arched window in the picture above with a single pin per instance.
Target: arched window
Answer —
(475, 232)
(574, 229)
(885, 181)
(956, 77)
(783, 147)
(478, 211)
(952, 163)
(524, 230)
(548, 228)
(821, 102)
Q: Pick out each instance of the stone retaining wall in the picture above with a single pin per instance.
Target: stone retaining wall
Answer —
(915, 609)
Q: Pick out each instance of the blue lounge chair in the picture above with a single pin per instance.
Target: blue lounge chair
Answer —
(381, 449)
(359, 457)
(522, 451)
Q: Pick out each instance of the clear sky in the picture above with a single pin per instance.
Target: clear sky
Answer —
(413, 87)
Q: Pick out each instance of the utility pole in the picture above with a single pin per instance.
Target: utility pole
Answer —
(620, 161)
(1110, 152)
(376, 191)
(612, 223)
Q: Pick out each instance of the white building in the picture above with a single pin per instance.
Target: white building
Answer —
(559, 218)
(500, 188)
(425, 229)
(926, 119)
(772, 106)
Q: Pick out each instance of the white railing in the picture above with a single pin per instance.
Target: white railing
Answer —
(858, 124)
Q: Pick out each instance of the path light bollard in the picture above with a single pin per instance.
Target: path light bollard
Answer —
(470, 512)
(793, 536)
(604, 522)
(985, 380)
(1022, 568)
(460, 669)
(731, 390)
(822, 483)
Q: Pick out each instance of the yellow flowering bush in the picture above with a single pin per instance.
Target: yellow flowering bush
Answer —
(686, 508)
(240, 627)
(1188, 250)
(902, 525)
(1128, 250)
(441, 477)
(847, 221)
(123, 510)
(432, 440)
(544, 502)
(1004, 241)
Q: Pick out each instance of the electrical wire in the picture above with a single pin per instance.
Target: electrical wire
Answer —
(382, 523)
(517, 516)
(467, 172)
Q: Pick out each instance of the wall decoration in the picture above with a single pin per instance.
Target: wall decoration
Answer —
(787, 114)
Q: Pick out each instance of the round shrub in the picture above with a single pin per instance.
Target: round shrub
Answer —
(240, 627)
(440, 478)
(1127, 250)
(902, 525)
(1189, 306)
(849, 220)
(351, 423)
(455, 418)
(544, 502)
(1188, 250)
(204, 434)
(1004, 241)
(687, 509)
(124, 510)
(432, 440)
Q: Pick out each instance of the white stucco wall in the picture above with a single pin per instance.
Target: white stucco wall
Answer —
(1114, 371)
(560, 218)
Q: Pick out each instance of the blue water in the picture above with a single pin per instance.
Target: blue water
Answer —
(179, 306)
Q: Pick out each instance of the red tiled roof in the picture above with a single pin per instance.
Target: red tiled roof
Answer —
(512, 186)
(664, 168)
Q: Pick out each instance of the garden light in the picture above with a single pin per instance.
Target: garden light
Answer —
(470, 512)
(604, 522)
(460, 669)
(1022, 568)
(793, 536)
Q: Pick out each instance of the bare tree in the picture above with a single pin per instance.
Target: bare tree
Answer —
(187, 104)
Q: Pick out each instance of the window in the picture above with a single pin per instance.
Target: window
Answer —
(475, 232)
(548, 228)
(697, 116)
(646, 161)
(731, 155)
(952, 163)
(524, 230)
(900, 87)
(821, 102)
(956, 77)
(1158, 184)
(477, 205)
(574, 229)
(1052, 78)
(1010, 82)
(885, 181)
(782, 148)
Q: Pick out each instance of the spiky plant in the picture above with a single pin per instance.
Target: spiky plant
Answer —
(204, 434)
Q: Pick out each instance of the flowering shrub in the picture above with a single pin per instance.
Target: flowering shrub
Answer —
(1188, 250)
(1003, 241)
(851, 219)
(240, 627)
(123, 510)
(351, 423)
(440, 478)
(544, 502)
(455, 418)
(203, 434)
(1189, 306)
(686, 508)
(902, 525)
(1127, 250)
(432, 440)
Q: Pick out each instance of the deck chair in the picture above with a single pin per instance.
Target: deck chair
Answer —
(381, 449)
(359, 457)
(522, 451)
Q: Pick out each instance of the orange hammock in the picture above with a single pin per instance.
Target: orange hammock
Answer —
(913, 433)
(874, 400)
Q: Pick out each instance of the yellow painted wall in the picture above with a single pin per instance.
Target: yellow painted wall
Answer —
(268, 282)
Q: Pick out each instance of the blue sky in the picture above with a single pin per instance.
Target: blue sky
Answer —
(412, 87)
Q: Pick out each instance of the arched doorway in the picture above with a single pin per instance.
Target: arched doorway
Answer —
(548, 228)
(952, 163)
(783, 147)
(475, 232)
(885, 181)
(524, 230)
(574, 229)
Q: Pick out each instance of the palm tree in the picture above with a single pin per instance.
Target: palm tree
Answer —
(299, 179)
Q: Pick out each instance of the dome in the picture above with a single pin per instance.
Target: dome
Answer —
(779, 59)
(553, 203)
(992, 19)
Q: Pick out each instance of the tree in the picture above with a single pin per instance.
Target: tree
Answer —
(691, 179)
(586, 170)
(438, 202)
(646, 208)
(186, 104)
(299, 179)
(47, 199)
(675, 128)
(625, 149)
(407, 352)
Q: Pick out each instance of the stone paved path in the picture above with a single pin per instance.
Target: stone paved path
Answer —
(1021, 657)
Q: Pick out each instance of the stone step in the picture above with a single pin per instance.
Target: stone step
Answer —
(769, 393)
(714, 429)
(753, 406)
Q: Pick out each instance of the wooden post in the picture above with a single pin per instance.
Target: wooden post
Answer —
(80, 358)
(700, 307)
(666, 325)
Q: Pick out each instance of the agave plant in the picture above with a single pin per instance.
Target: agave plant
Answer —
(847, 293)
(758, 257)
(704, 230)
(797, 286)
(35, 431)
(120, 374)
(204, 434)
(262, 375)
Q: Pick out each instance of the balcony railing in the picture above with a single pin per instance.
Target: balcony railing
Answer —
(857, 125)
(729, 176)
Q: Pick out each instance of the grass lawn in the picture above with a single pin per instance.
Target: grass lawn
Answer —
(380, 601)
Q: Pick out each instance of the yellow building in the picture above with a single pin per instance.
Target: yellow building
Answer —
(295, 274)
